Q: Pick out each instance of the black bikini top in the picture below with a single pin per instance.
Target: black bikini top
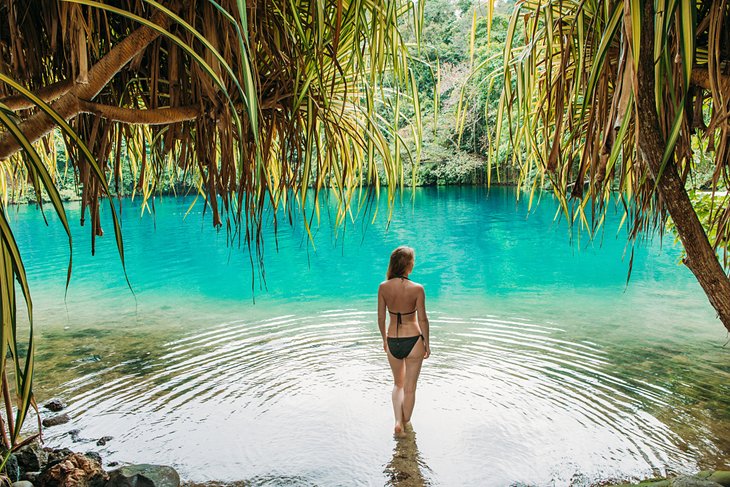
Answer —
(398, 314)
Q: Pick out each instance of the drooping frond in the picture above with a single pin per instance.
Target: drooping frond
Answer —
(252, 104)
(570, 106)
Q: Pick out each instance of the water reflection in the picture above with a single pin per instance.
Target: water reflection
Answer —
(404, 469)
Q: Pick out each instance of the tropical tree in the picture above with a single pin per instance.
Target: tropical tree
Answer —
(260, 104)
(624, 96)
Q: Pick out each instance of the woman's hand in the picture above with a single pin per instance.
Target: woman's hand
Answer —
(385, 346)
(428, 352)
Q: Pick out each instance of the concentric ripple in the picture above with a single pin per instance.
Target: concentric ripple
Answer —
(501, 401)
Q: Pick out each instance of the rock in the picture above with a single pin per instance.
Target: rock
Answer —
(31, 476)
(11, 468)
(55, 456)
(691, 481)
(113, 464)
(56, 420)
(144, 476)
(94, 456)
(31, 458)
(22, 483)
(55, 405)
(74, 470)
(74, 434)
(721, 477)
(90, 358)
(103, 440)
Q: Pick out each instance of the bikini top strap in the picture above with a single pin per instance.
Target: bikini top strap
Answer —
(399, 318)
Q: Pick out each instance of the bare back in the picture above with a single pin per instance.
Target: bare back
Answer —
(399, 295)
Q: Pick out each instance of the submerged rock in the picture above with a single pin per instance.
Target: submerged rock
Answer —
(75, 470)
(693, 481)
(104, 440)
(55, 405)
(22, 483)
(56, 420)
(721, 477)
(144, 476)
(706, 478)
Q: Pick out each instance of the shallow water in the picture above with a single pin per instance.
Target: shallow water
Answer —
(546, 368)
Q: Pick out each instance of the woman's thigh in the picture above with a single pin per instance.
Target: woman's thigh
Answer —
(414, 362)
(398, 367)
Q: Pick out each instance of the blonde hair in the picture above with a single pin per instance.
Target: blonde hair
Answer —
(400, 259)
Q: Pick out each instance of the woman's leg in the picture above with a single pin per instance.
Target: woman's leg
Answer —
(413, 368)
(399, 372)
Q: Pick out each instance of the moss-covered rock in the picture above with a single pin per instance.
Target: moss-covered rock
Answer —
(721, 477)
(706, 478)
(692, 481)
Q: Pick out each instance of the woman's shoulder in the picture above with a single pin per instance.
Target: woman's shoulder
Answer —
(415, 288)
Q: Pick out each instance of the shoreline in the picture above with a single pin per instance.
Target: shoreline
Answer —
(38, 466)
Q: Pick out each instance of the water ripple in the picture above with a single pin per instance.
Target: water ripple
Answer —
(285, 393)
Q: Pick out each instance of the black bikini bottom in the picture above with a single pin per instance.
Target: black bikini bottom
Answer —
(400, 347)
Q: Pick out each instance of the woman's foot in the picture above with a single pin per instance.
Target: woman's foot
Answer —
(398, 430)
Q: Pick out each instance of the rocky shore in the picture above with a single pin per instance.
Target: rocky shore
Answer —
(36, 466)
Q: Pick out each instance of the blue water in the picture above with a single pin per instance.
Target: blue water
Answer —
(547, 368)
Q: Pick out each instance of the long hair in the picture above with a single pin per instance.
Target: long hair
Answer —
(400, 259)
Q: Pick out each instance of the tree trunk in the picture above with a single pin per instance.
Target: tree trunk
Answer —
(701, 257)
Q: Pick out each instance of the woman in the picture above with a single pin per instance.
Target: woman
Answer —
(406, 342)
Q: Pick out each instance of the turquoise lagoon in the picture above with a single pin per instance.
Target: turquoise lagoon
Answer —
(547, 368)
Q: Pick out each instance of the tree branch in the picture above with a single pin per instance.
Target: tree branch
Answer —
(47, 94)
(157, 116)
(701, 78)
(68, 106)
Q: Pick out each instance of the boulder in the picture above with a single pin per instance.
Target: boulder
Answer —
(74, 470)
(56, 420)
(693, 481)
(144, 476)
(22, 483)
(721, 477)
(55, 405)
(31, 458)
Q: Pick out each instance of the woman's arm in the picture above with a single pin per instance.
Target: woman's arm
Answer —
(423, 319)
(381, 316)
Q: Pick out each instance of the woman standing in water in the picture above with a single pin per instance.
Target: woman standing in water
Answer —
(407, 340)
